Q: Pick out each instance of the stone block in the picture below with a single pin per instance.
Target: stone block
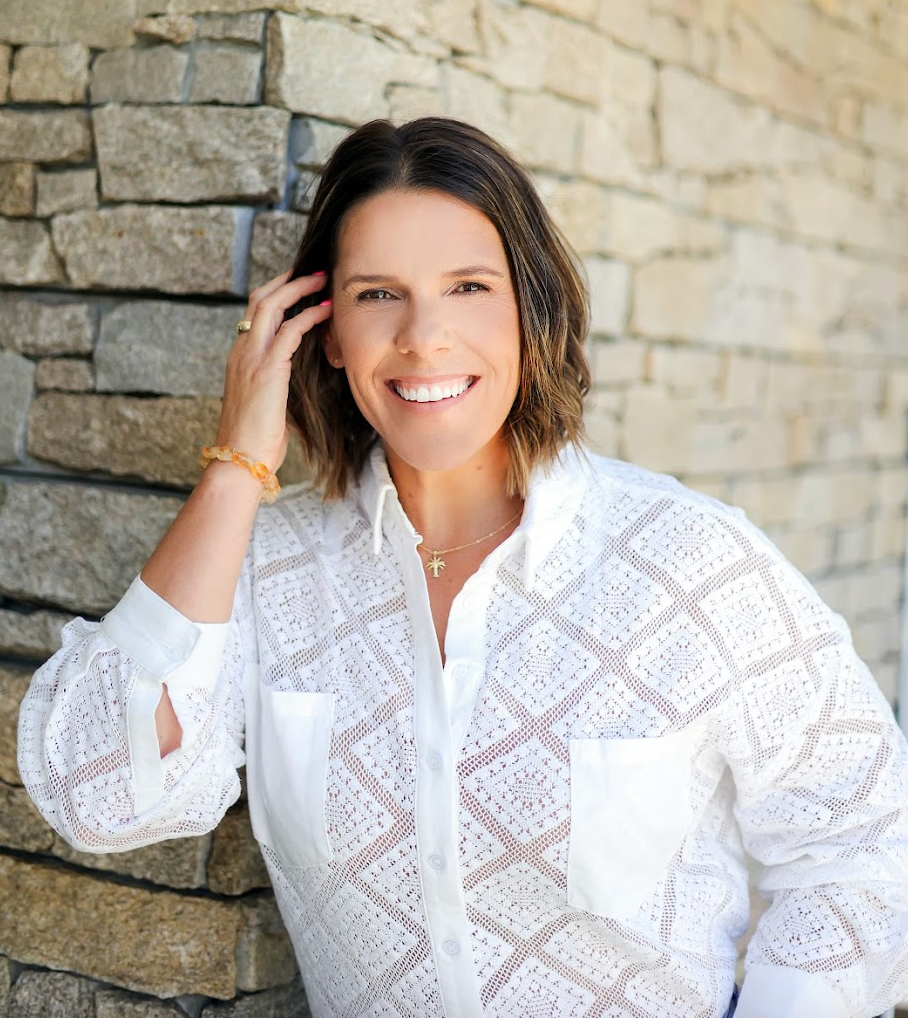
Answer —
(117, 1004)
(657, 430)
(632, 78)
(17, 379)
(50, 74)
(52, 136)
(34, 635)
(155, 439)
(508, 33)
(610, 286)
(673, 298)
(545, 131)
(275, 238)
(13, 685)
(683, 371)
(51, 995)
(479, 101)
(282, 1002)
(175, 28)
(191, 154)
(21, 825)
(17, 189)
(304, 188)
(27, 257)
(176, 863)
(222, 7)
(64, 374)
(6, 979)
(882, 127)
(743, 384)
(149, 247)
(229, 74)
(408, 102)
(403, 19)
(96, 23)
(232, 27)
(345, 73)
(43, 328)
(704, 129)
(638, 228)
(455, 23)
(756, 199)
(313, 141)
(165, 347)
(75, 546)
(236, 865)
(166, 944)
(577, 61)
(618, 362)
(65, 191)
(153, 75)
(614, 149)
(6, 53)
(264, 953)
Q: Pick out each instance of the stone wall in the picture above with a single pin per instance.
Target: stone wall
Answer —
(735, 176)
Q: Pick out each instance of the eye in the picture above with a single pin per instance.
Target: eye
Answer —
(471, 287)
(375, 295)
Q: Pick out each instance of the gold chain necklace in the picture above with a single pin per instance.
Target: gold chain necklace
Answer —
(436, 563)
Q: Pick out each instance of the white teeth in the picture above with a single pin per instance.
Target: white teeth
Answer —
(433, 393)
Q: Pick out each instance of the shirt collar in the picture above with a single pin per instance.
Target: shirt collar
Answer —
(553, 491)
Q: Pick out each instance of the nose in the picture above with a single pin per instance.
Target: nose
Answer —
(422, 330)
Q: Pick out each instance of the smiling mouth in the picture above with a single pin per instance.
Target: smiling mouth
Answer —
(433, 393)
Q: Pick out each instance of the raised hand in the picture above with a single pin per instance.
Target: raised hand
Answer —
(254, 410)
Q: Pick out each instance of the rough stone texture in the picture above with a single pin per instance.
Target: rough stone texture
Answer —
(166, 944)
(176, 863)
(39, 328)
(17, 189)
(275, 238)
(189, 154)
(153, 75)
(304, 190)
(657, 430)
(17, 376)
(236, 865)
(223, 7)
(13, 684)
(312, 141)
(65, 191)
(21, 825)
(283, 1002)
(50, 74)
(345, 73)
(6, 53)
(75, 546)
(52, 136)
(264, 952)
(165, 347)
(156, 439)
(34, 635)
(117, 1004)
(98, 23)
(51, 995)
(6, 976)
(175, 28)
(609, 294)
(237, 28)
(148, 247)
(227, 74)
(65, 375)
(27, 257)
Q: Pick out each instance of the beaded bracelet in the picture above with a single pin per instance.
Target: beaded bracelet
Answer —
(258, 470)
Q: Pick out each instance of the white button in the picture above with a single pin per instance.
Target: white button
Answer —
(451, 947)
(462, 671)
(437, 861)
(433, 760)
(470, 603)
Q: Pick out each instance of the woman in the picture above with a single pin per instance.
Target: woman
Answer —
(507, 709)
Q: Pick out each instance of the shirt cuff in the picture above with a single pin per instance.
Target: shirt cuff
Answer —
(165, 645)
(771, 991)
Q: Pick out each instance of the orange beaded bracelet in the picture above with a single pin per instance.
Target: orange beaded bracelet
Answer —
(259, 471)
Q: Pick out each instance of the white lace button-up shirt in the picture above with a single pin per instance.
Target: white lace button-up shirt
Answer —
(550, 823)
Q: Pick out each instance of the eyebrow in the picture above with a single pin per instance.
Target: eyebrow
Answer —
(467, 270)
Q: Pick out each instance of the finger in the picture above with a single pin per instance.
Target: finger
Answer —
(270, 309)
(260, 292)
(291, 333)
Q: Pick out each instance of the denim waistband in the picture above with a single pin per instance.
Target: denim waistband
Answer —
(733, 1004)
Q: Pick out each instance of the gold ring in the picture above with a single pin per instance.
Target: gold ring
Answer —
(244, 326)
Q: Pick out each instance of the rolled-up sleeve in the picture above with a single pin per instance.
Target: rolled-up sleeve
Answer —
(88, 745)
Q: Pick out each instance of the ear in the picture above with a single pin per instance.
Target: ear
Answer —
(332, 348)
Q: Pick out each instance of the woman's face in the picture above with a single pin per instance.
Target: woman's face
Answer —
(425, 323)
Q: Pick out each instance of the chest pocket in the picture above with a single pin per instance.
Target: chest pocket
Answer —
(630, 810)
(288, 735)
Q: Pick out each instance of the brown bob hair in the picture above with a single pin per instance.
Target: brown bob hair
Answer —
(448, 156)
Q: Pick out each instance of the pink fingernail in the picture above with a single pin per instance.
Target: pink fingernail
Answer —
(321, 272)
(325, 303)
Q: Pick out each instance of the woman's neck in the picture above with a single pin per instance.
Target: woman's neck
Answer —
(452, 507)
